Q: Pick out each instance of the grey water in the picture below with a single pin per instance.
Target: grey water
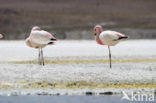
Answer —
(65, 99)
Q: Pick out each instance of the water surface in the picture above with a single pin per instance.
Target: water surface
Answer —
(64, 99)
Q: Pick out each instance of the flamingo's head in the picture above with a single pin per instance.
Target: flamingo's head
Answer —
(35, 28)
(97, 29)
(1, 36)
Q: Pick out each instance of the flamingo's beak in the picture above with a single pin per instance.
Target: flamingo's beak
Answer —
(123, 38)
(53, 39)
(95, 33)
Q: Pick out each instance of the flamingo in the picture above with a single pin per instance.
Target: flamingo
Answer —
(109, 38)
(1, 36)
(39, 39)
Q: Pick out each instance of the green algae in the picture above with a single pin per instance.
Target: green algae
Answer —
(74, 85)
(86, 61)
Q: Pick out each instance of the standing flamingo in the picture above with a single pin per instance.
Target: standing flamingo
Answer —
(39, 39)
(1, 36)
(109, 38)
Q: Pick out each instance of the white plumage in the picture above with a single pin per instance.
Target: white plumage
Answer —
(39, 39)
(109, 38)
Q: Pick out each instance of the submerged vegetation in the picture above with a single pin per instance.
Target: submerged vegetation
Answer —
(86, 61)
(73, 85)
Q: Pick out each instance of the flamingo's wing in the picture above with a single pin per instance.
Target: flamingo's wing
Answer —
(112, 35)
(41, 37)
(108, 37)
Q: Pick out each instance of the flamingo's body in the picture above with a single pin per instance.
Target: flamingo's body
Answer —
(110, 38)
(1, 36)
(39, 39)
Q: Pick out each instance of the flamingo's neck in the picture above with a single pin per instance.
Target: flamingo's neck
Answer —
(98, 40)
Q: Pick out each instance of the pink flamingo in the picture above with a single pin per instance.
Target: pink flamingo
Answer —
(39, 39)
(109, 38)
(1, 36)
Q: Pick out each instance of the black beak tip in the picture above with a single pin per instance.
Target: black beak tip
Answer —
(53, 39)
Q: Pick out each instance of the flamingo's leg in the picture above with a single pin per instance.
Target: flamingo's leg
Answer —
(110, 61)
(39, 56)
(42, 57)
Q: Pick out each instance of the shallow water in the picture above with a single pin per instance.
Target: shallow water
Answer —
(64, 99)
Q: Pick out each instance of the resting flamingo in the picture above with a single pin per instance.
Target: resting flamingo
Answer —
(109, 38)
(39, 39)
(1, 36)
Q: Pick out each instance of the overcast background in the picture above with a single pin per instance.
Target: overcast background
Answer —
(75, 19)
